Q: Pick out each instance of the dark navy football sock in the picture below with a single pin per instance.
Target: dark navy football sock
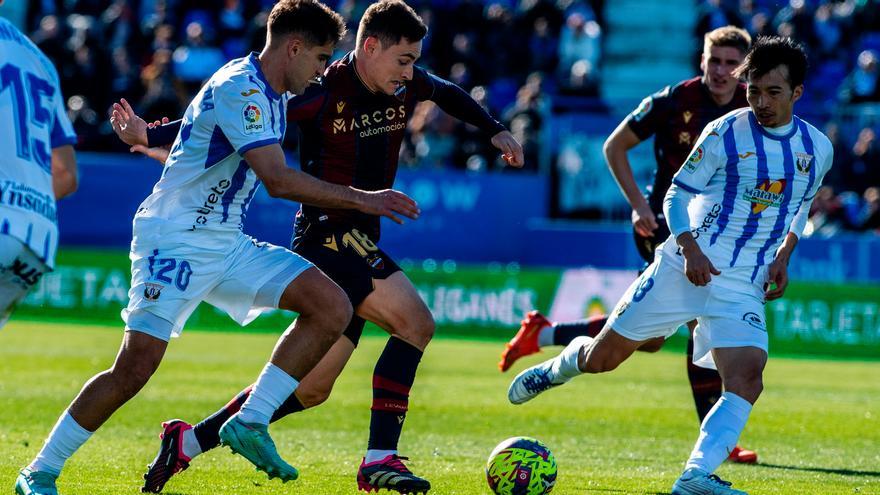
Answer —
(705, 384)
(392, 379)
(208, 431)
(564, 333)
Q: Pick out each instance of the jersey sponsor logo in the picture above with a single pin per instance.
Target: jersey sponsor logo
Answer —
(696, 157)
(743, 156)
(215, 194)
(28, 199)
(687, 116)
(766, 194)
(643, 109)
(252, 118)
(754, 319)
(250, 92)
(28, 275)
(708, 221)
(803, 163)
(373, 123)
(152, 291)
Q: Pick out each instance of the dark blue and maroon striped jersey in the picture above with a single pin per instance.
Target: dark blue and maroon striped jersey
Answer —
(676, 115)
(352, 136)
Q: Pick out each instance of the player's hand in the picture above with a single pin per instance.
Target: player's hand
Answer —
(777, 280)
(644, 221)
(390, 203)
(130, 128)
(158, 153)
(510, 147)
(698, 267)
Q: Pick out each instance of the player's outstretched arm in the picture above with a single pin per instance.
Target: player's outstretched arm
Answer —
(615, 150)
(285, 182)
(65, 176)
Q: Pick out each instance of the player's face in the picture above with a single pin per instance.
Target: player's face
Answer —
(718, 63)
(391, 67)
(306, 63)
(772, 98)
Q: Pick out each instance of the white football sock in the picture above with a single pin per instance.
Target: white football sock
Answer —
(273, 387)
(191, 447)
(374, 455)
(719, 432)
(65, 438)
(546, 335)
(565, 366)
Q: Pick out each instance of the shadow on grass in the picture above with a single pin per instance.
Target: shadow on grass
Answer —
(842, 472)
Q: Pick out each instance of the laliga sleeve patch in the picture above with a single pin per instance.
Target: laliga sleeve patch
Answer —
(696, 157)
(644, 108)
(252, 118)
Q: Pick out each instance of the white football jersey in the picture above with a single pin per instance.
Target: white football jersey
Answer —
(749, 184)
(35, 122)
(207, 184)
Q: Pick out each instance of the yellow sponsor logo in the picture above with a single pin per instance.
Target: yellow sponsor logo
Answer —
(250, 92)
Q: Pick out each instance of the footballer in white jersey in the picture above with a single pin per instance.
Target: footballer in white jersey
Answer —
(736, 210)
(35, 136)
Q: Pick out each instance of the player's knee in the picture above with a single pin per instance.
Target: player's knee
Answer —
(315, 395)
(330, 308)
(418, 329)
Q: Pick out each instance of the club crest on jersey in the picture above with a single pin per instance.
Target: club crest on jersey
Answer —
(644, 108)
(696, 157)
(152, 291)
(252, 118)
(803, 163)
(766, 194)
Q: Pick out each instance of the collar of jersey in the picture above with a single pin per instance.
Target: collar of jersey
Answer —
(786, 137)
(256, 63)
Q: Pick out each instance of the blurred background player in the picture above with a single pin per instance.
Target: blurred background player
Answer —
(39, 165)
(675, 116)
(188, 245)
(740, 202)
(352, 126)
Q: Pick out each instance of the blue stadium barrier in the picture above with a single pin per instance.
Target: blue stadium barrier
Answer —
(476, 218)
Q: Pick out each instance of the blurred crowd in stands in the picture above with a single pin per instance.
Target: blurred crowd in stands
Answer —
(513, 56)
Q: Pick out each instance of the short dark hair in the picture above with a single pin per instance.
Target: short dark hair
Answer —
(311, 19)
(770, 52)
(731, 36)
(391, 21)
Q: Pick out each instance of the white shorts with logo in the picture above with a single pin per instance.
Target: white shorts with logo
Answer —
(20, 270)
(662, 299)
(170, 278)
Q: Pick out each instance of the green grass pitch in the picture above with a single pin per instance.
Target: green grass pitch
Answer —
(816, 428)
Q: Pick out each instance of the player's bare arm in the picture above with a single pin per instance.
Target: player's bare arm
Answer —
(615, 150)
(285, 182)
(777, 274)
(65, 177)
(697, 266)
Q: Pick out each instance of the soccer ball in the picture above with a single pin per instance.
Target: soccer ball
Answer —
(521, 466)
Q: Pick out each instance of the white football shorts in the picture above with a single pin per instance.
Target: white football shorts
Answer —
(170, 278)
(20, 270)
(662, 299)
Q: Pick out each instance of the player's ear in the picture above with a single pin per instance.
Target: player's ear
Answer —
(797, 92)
(371, 45)
(294, 46)
(703, 57)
